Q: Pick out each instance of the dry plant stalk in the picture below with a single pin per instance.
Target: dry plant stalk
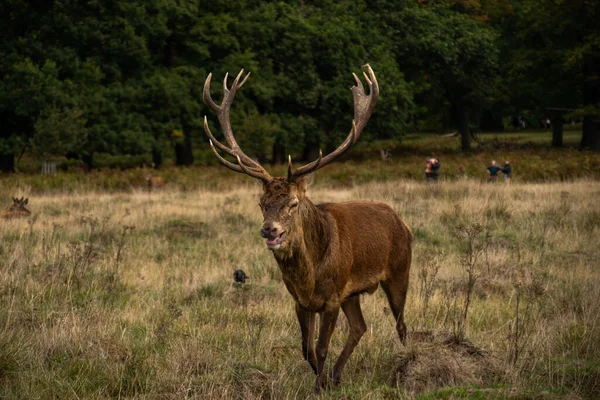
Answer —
(474, 247)
(529, 288)
(428, 283)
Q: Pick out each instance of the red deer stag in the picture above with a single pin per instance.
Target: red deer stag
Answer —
(17, 210)
(154, 182)
(328, 253)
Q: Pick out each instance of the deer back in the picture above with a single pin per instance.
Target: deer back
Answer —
(154, 181)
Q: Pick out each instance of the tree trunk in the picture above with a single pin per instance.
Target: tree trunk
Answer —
(88, 160)
(590, 137)
(312, 145)
(183, 150)
(557, 129)
(183, 154)
(7, 162)
(157, 158)
(462, 118)
(311, 152)
(170, 52)
(278, 153)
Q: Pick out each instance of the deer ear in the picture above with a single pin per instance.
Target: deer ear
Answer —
(26, 202)
(261, 184)
(306, 181)
(310, 178)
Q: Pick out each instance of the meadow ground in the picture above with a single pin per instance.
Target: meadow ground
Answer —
(131, 295)
(531, 156)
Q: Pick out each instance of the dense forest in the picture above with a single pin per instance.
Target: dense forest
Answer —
(82, 77)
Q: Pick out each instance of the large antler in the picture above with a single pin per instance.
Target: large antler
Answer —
(364, 104)
(244, 164)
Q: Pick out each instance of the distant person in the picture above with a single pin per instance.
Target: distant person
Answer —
(428, 170)
(435, 169)
(545, 123)
(493, 172)
(507, 171)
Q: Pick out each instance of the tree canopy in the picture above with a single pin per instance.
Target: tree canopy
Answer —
(81, 77)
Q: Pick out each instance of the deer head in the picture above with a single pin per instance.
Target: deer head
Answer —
(284, 198)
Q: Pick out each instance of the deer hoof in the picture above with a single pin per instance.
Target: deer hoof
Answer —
(335, 379)
(321, 383)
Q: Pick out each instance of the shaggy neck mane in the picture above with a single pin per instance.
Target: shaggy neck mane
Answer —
(310, 239)
(316, 230)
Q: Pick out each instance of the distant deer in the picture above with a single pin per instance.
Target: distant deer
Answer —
(154, 182)
(18, 209)
(386, 154)
(328, 253)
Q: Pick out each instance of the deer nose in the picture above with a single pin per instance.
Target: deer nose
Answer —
(267, 231)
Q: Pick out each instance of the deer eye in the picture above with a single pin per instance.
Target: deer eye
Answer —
(292, 206)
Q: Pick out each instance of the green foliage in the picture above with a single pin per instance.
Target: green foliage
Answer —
(58, 131)
(453, 58)
(118, 77)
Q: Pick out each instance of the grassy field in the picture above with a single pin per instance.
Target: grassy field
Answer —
(130, 294)
(531, 156)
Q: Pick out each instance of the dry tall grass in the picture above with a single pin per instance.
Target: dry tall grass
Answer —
(131, 295)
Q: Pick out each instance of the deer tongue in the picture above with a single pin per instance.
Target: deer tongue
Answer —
(275, 240)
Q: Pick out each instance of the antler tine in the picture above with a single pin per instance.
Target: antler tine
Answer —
(364, 104)
(368, 80)
(223, 161)
(245, 164)
(259, 174)
(358, 82)
(230, 165)
(245, 79)
(206, 94)
(299, 171)
(308, 168)
(222, 112)
(223, 148)
(212, 139)
(236, 80)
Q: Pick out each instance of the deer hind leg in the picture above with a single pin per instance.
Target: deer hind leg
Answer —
(327, 325)
(395, 291)
(357, 328)
(306, 319)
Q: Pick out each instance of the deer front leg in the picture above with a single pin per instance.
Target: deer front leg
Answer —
(357, 328)
(306, 318)
(327, 325)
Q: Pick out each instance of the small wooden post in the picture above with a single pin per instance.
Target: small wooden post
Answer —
(48, 168)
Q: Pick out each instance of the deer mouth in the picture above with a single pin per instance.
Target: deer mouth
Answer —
(275, 242)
